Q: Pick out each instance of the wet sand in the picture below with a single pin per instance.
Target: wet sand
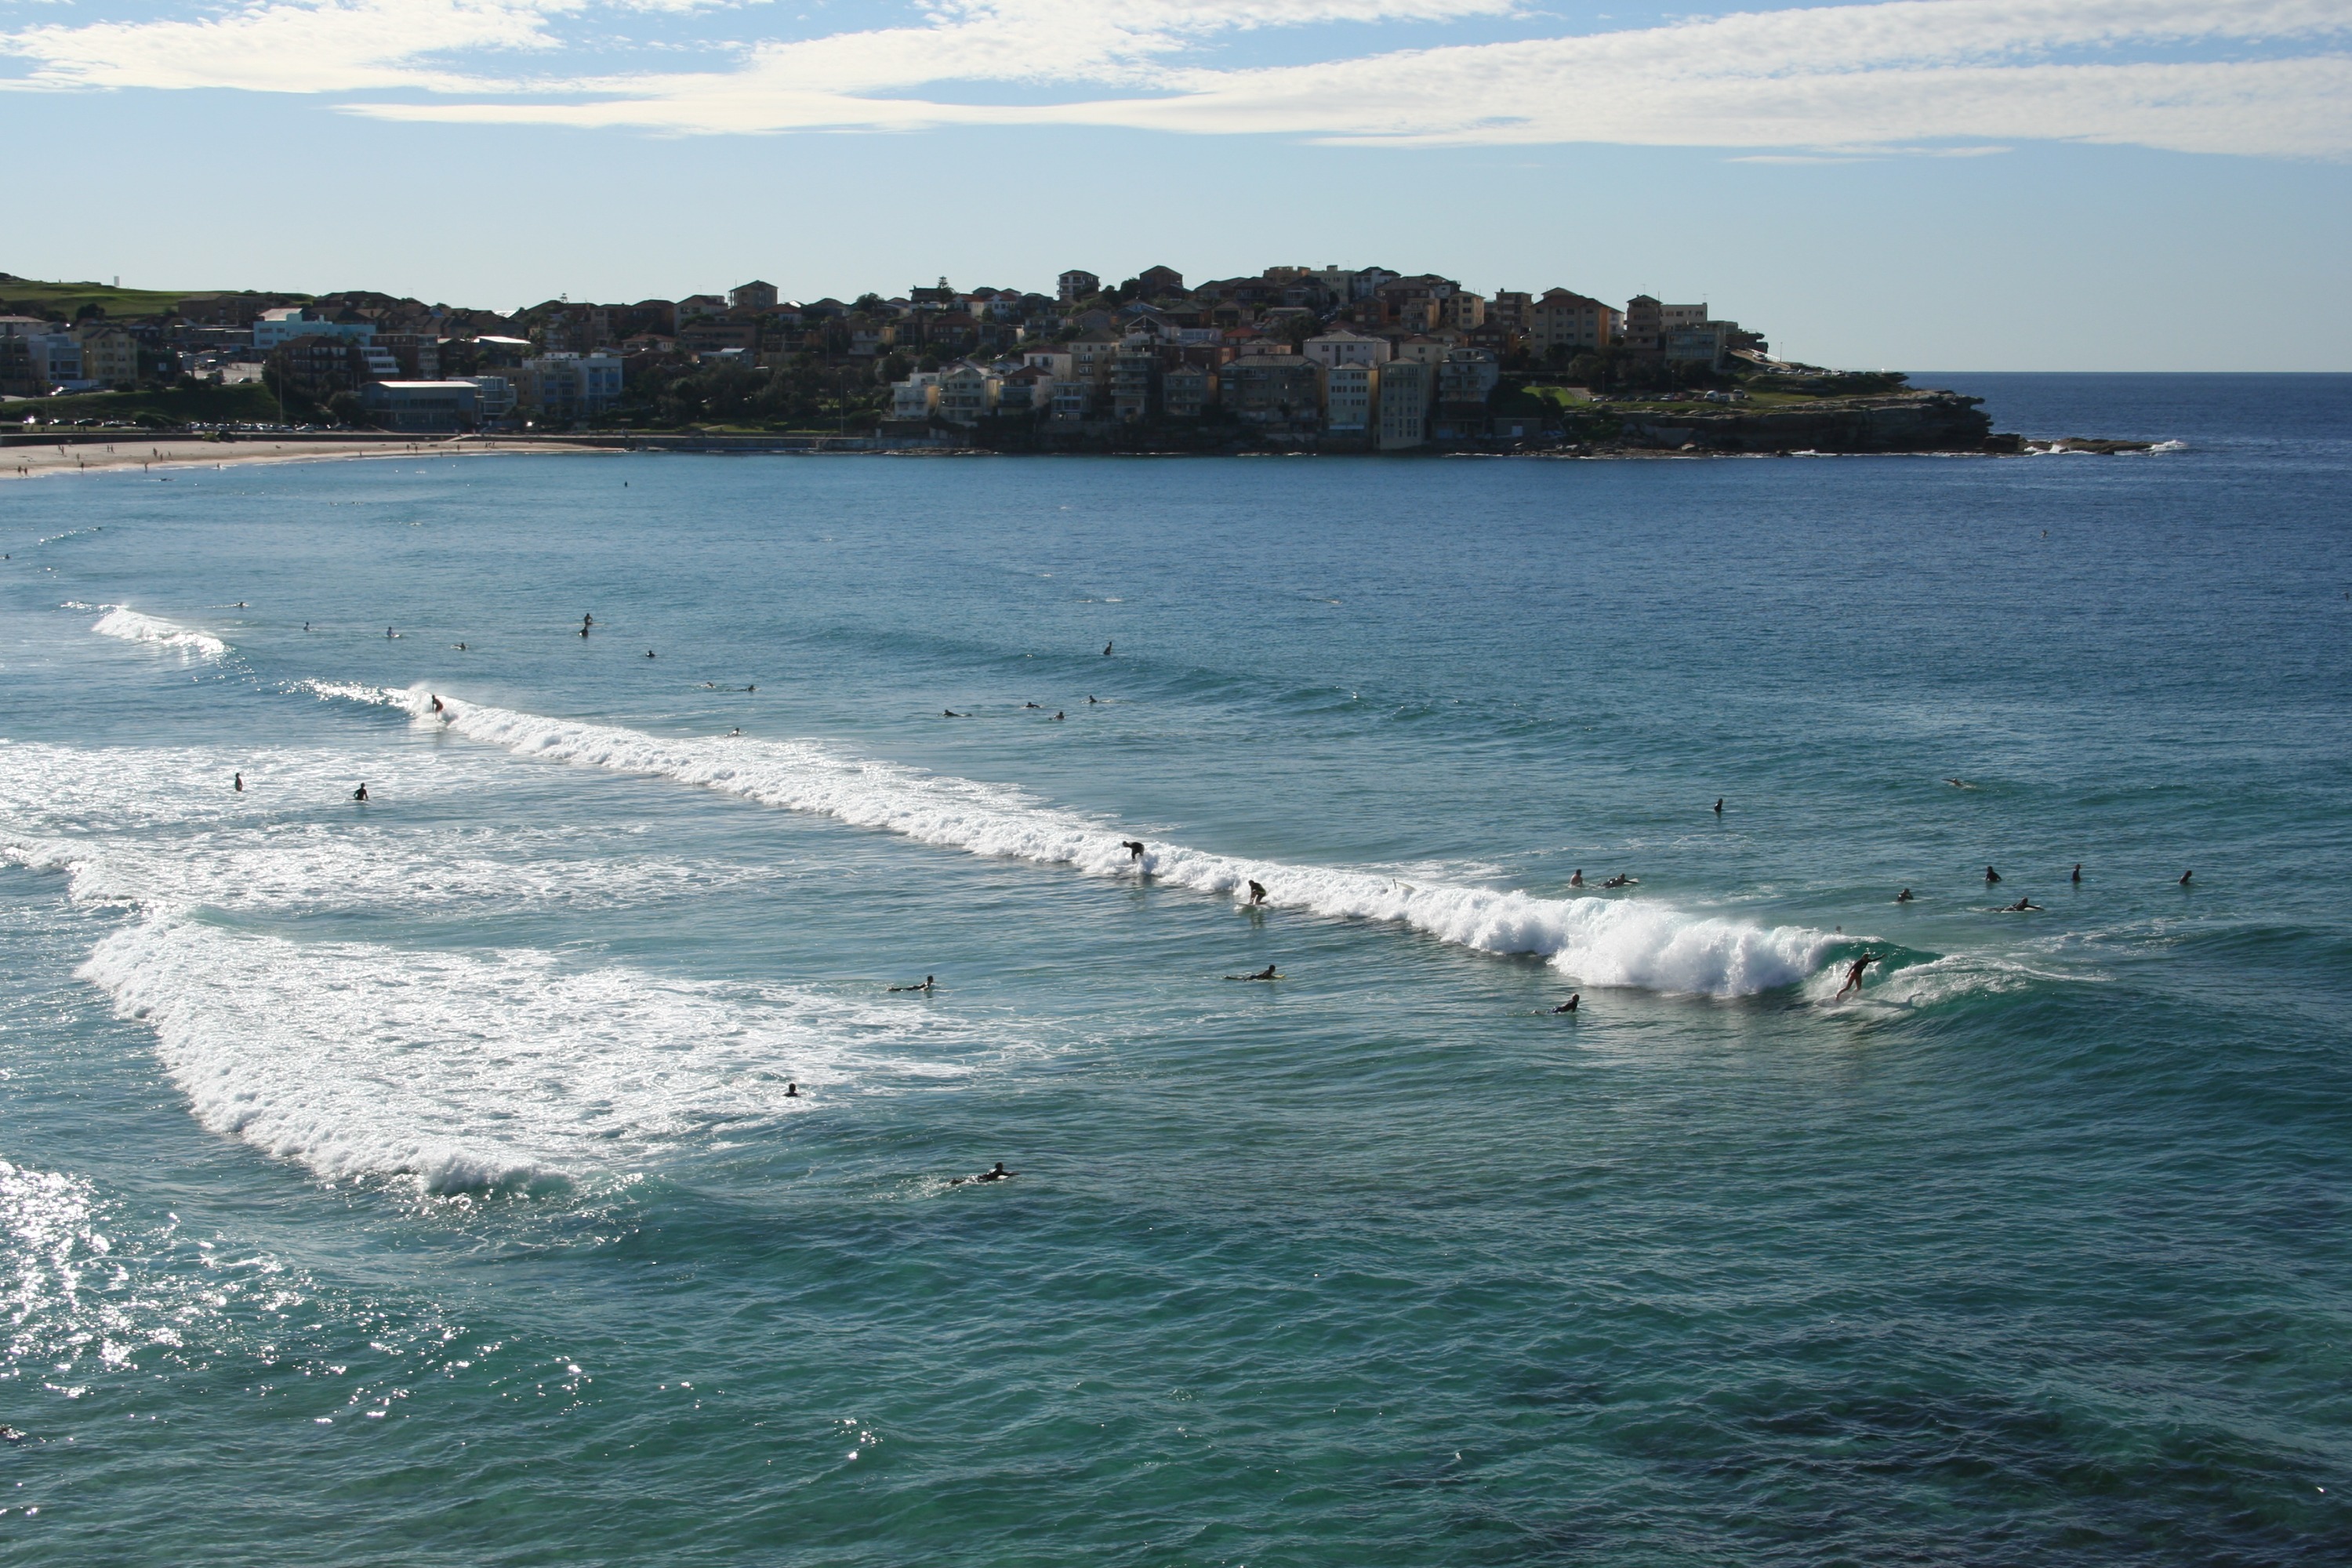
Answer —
(163, 456)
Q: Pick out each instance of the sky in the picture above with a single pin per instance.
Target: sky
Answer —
(1960, 184)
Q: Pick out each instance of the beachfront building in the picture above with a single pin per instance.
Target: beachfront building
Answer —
(1346, 394)
(967, 395)
(1701, 343)
(1279, 392)
(915, 397)
(109, 357)
(275, 328)
(1134, 383)
(561, 387)
(1188, 391)
(1406, 388)
(422, 407)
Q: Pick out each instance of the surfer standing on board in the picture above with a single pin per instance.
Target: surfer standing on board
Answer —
(1853, 973)
(1257, 894)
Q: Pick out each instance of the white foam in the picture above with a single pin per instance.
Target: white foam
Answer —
(130, 625)
(1599, 941)
(461, 1071)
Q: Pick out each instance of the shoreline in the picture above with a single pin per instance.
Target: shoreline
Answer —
(172, 455)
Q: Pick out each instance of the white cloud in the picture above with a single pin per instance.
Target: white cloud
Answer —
(2258, 77)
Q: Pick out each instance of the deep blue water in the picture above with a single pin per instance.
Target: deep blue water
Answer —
(414, 1182)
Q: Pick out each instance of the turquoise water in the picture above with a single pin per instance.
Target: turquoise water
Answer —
(415, 1181)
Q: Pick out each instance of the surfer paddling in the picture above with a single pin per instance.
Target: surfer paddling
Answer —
(2022, 907)
(1569, 1006)
(1619, 880)
(995, 1173)
(927, 987)
(1903, 897)
(1268, 972)
(1853, 973)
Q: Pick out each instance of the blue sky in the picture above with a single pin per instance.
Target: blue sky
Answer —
(1948, 184)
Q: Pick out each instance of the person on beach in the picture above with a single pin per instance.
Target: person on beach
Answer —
(929, 982)
(1903, 897)
(1257, 894)
(1134, 847)
(1577, 880)
(1853, 973)
(1569, 1006)
(1991, 876)
(360, 793)
(239, 784)
(1268, 972)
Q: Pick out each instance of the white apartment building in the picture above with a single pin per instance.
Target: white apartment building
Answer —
(275, 328)
(967, 395)
(1344, 347)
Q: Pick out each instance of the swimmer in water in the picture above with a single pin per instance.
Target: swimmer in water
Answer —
(1853, 973)
(1991, 876)
(360, 793)
(791, 1092)
(1092, 697)
(1134, 847)
(649, 652)
(1577, 880)
(1569, 1006)
(1057, 713)
(2018, 908)
(1719, 806)
(2078, 872)
(1268, 972)
(239, 783)
(390, 633)
(2184, 878)
(737, 730)
(1257, 894)
(461, 647)
(1031, 705)
(750, 689)
(583, 631)
(1105, 650)
(998, 1174)
(925, 988)
(1903, 897)
(949, 713)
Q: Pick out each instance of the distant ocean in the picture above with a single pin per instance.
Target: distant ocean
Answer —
(532, 1165)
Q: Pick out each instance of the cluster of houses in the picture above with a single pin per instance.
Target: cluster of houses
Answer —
(1351, 355)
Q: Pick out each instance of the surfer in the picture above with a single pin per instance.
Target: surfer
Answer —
(1569, 1006)
(1853, 973)
(583, 631)
(791, 1092)
(1903, 897)
(2020, 908)
(461, 647)
(1719, 806)
(1577, 880)
(1134, 847)
(1092, 697)
(949, 713)
(2184, 878)
(587, 621)
(737, 730)
(649, 652)
(239, 784)
(1991, 876)
(388, 631)
(998, 1173)
(1619, 880)
(925, 987)
(360, 793)
(2078, 871)
(436, 706)
(1105, 650)
(1058, 714)
(1257, 893)
(1032, 705)
(1268, 972)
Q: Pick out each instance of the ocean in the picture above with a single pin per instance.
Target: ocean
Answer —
(538, 1163)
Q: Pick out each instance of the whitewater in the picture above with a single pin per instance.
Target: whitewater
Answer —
(1595, 940)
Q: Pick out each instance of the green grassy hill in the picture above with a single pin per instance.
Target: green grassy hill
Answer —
(247, 403)
(28, 297)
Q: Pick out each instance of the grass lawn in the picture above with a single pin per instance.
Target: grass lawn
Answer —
(25, 296)
(247, 402)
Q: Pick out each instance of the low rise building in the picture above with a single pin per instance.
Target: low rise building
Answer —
(274, 328)
(1076, 285)
(110, 356)
(1188, 391)
(1280, 392)
(1568, 323)
(424, 407)
(1134, 384)
(916, 397)
(756, 295)
(1344, 347)
(562, 387)
(967, 395)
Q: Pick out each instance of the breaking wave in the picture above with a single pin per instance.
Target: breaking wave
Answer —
(1596, 939)
(130, 625)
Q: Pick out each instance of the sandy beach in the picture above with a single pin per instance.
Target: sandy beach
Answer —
(155, 455)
